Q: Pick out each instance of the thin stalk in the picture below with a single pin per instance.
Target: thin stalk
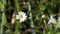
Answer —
(3, 21)
(44, 32)
(3, 15)
(9, 5)
(17, 24)
(31, 20)
(17, 5)
(16, 27)
(45, 24)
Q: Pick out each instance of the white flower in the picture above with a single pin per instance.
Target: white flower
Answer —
(52, 20)
(43, 16)
(21, 16)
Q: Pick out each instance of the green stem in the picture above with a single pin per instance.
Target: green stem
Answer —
(16, 27)
(3, 21)
(9, 5)
(3, 15)
(45, 24)
(17, 5)
(31, 20)
(17, 23)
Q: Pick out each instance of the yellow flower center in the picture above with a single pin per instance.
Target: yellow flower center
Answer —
(21, 16)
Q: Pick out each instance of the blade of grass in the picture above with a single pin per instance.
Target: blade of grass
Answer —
(3, 16)
(31, 20)
(17, 9)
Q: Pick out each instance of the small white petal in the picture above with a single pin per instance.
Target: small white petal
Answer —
(49, 21)
(17, 16)
(19, 12)
(20, 21)
(23, 20)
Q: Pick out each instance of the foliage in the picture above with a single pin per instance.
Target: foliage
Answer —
(35, 23)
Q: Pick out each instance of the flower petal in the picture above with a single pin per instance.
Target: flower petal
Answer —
(17, 16)
(21, 21)
(20, 12)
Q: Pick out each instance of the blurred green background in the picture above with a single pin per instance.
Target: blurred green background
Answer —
(34, 9)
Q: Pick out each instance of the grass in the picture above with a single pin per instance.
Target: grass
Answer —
(34, 9)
